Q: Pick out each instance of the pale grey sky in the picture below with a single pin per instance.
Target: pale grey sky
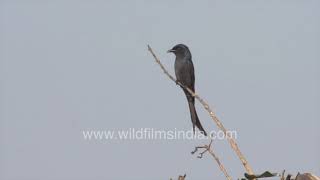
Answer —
(68, 66)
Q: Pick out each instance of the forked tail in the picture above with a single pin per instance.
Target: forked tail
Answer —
(194, 117)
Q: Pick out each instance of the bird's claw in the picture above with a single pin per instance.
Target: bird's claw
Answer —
(177, 82)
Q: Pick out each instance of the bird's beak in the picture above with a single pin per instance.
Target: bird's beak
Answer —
(170, 51)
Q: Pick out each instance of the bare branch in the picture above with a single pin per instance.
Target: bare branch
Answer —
(209, 149)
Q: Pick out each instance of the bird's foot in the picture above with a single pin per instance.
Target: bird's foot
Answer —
(178, 82)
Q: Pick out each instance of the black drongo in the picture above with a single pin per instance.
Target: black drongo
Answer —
(184, 71)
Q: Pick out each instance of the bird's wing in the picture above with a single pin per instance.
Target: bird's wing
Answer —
(192, 77)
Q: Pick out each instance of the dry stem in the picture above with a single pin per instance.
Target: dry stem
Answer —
(209, 149)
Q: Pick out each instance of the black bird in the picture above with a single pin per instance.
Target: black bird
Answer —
(184, 71)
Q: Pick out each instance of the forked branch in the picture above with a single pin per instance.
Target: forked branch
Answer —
(209, 149)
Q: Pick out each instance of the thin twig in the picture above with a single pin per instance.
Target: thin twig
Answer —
(209, 149)
(232, 142)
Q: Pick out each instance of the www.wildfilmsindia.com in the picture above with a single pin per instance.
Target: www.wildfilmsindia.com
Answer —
(154, 134)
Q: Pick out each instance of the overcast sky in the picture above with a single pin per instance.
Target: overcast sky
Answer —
(68, 66)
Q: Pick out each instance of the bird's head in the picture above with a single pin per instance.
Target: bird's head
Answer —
(180, 50)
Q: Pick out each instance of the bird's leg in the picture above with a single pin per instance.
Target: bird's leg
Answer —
(178, 82)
